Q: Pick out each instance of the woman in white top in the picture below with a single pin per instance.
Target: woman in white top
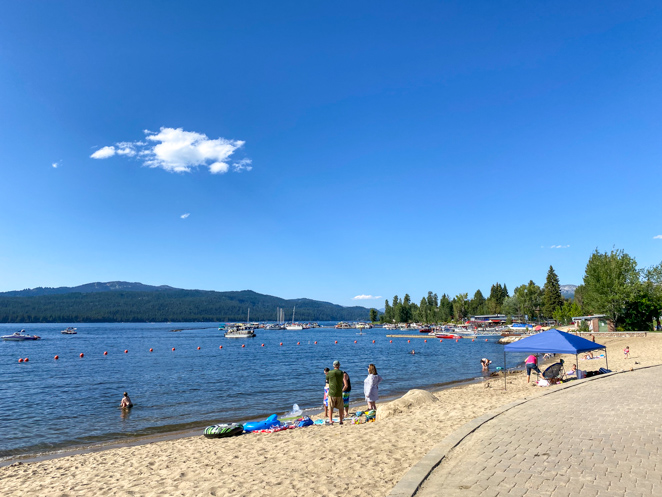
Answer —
(370, 385)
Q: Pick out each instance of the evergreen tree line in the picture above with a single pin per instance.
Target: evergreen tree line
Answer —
(613, 285)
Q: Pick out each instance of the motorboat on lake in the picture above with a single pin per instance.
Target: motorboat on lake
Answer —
(240, 331)
(20, 336)
(69, 331)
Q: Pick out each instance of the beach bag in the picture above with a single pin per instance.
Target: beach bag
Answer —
(303, 422)
(605, 370)
(224, 430)
(542, 382)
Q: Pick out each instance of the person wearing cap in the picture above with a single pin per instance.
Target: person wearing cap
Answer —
(335, 377)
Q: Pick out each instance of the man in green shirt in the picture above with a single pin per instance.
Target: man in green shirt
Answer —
(335, 377)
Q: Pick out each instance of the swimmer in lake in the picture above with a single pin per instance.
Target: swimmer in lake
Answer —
(126, 401)
(412, 352)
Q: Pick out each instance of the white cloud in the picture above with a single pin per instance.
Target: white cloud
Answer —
(657, 237)
(242, 165)
(184, 216)
(176, 150)
(560, 246)
(366, 297)
(104, 153)
(56, 164)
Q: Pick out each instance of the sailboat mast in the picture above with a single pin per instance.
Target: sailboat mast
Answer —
(248, 318)
(295, 308)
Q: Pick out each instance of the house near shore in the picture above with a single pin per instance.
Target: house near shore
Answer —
(597, 323)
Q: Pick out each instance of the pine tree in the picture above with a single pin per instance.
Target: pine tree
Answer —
(552, 298)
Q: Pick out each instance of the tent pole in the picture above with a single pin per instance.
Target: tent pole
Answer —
(606, 361)
(505, 371)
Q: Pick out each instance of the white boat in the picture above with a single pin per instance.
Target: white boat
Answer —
(294, 326)
(69, 331)
(240, 331)
(20, 336)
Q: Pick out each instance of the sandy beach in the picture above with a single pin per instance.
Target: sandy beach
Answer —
(352, 460)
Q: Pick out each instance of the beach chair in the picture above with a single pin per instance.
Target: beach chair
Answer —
(554, 373)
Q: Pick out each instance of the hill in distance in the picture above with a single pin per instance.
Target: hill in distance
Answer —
(134, 302)
(568, 291)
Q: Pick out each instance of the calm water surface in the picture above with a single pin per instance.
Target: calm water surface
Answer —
(52, 405)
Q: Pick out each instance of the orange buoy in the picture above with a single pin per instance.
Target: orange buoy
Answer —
(298, 343)
(20, 359)
(486, 339)
(26, 359)
(472, 339)
(456, 341)
(408, 341)
(81, 354)
(263, 345)
(281, 343)
(373, 341)
(390, 341)
(152, 350)
(315, 343)
(56, 357)
(425, 341)
(105, 352)
(220, 347)
(173, 349)
(336, 341)
(354, 341)
(126, 351)
(243, 346)
(198, 348)
(441, 340)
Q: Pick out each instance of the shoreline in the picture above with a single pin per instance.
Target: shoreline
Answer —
(146, 439)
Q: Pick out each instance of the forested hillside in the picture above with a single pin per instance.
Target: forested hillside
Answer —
(166, 305)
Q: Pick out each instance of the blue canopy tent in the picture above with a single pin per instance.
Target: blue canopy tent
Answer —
(552, 342)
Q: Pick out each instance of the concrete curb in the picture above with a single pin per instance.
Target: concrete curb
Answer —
(414, 478)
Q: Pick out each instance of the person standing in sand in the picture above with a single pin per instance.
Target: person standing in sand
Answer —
(346, 389)
(335, 377)
(370, 386)
(326, 394)
(626, 351)
(531, 364)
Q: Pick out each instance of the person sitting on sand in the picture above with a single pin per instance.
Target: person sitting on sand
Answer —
(531, 365)
(588, 356)
(370, 385)
(126, 401)
(326, 394)
(626, 351)
(335, 377)
(485, 363)
(572, 371)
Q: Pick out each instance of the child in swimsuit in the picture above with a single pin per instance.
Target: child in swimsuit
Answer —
(326, 395)
(626, 351)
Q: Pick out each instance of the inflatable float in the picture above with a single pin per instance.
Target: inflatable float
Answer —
(270, 422)
(224, 430)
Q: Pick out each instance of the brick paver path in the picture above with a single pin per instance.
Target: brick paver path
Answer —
(599, 439)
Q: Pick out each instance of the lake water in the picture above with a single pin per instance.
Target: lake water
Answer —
(57, 404)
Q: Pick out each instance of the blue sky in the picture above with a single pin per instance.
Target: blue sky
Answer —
(327, 150)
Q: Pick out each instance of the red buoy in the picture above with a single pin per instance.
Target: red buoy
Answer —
(243, 346)
(425, 341)
(441, 340)
(456, 341)
(81, 354)
(390, 341)
(173, 349)
(298, 343)
(20, 359)
(56, 357)
(472, 339)
(263, 345)
(373, 341)
(408, 341)
(486, 339)
(336, 341)
(198, 348)
(281, 343)
(354, 341)
(220, 347)
(105, 353)
(315, 343)
(151, 350)
(26, 359)
(126, 351)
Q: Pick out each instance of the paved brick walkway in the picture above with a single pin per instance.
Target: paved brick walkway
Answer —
(600, 439)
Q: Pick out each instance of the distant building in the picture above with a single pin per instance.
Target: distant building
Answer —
(490, 318)
(597, 323)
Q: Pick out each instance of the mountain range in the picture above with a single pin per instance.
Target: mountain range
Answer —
(120, 301)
